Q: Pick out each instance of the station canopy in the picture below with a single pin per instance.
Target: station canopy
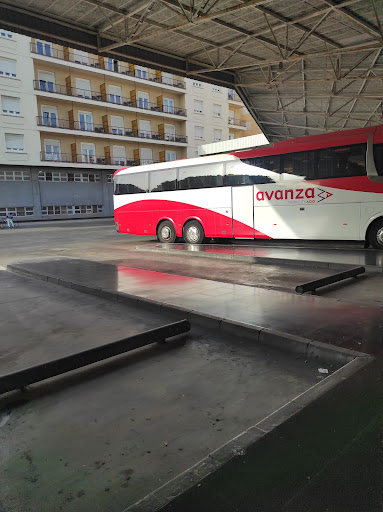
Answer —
(301, 67)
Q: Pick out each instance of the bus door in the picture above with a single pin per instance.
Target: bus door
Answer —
(243, 207)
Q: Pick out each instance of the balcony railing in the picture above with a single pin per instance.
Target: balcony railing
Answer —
(42, 85)
(115, 67)
(112, 130)
(46, 156)
(236, 122)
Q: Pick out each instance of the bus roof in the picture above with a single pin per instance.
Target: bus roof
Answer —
(177, 163)
(309, 142)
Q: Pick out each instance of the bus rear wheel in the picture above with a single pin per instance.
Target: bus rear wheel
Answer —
(166, 233)
(193, 232)
(376, 235)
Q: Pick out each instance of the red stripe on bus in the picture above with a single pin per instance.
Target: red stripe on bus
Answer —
(142, 218)
(355, 183)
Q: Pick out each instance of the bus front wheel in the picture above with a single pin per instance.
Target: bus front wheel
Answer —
(166, 232)
(193, 232)
(376, 235)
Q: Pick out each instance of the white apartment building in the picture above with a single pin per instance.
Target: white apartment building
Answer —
(68, 119)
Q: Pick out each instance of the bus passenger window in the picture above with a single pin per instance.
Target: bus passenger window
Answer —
(136, 183)
(301, 163)
(161, 181)
(235, 180)
(341, 162)
(199, 176)
(271, 162)
(378, 157)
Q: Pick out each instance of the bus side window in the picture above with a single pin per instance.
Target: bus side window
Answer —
(161, 181)
(341, 162)
(378, 157)
(136, 183)
(301, 163)
(206, 176)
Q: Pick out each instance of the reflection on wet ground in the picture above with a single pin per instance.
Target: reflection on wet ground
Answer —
(348, 325)
(346, 256)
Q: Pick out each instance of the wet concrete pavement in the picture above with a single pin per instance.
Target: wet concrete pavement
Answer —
(102, 438)
(267, 253)
(350, 326)
(327, 458)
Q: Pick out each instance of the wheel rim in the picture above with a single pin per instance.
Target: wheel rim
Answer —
(193, 234)
(166, 233)
(379, 236)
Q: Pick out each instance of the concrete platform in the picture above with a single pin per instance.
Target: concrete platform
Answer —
(320, 257)
(271, 315)
(134, 432)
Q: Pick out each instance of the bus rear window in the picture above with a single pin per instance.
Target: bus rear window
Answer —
(135, 183)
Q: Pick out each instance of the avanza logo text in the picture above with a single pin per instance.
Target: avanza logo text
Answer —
(299, 193)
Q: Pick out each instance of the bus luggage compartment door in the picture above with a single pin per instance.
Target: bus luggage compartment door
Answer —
(243, 207)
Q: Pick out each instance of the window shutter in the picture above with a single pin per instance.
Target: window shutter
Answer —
(10, 105)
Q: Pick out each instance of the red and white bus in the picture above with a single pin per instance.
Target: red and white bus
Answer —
(322, 187)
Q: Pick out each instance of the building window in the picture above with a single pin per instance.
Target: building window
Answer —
(142, 72)
(146, 156)
(119, 155)
(217, 135)
(117, 125)
(231, 94)
(199, 132)
(81, 57)
(44, 48)
(143, 100)
(198, 106)
(10, 105)
(78, 177)
(52, 150)
(145, 129)
(167, 78)
(88, 153)
(85, 121)
(110, 178)
(84, 177)
(53, 176)
(231, 136)
(197, 84)
(169, 105)
(46, 81)
(50, 115)
(170, 156)
(115, 94)
(14, 142)
(15, 176)
(18, 211)
(215, 88)
(8, 67)
(217, 110)
(170, 132)
(71, 210)
(83, 88)
(6, 34)
(112, 65)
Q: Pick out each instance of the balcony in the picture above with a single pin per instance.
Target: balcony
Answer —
(42, 85)
(119, 68)
(83, 126)
(236, 122)
(233, 96)
(84, 159)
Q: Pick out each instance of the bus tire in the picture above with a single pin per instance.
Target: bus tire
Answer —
(166, 233)
(375, 234)
(193, 232)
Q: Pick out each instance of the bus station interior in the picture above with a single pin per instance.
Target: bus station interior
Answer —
(273, 400)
